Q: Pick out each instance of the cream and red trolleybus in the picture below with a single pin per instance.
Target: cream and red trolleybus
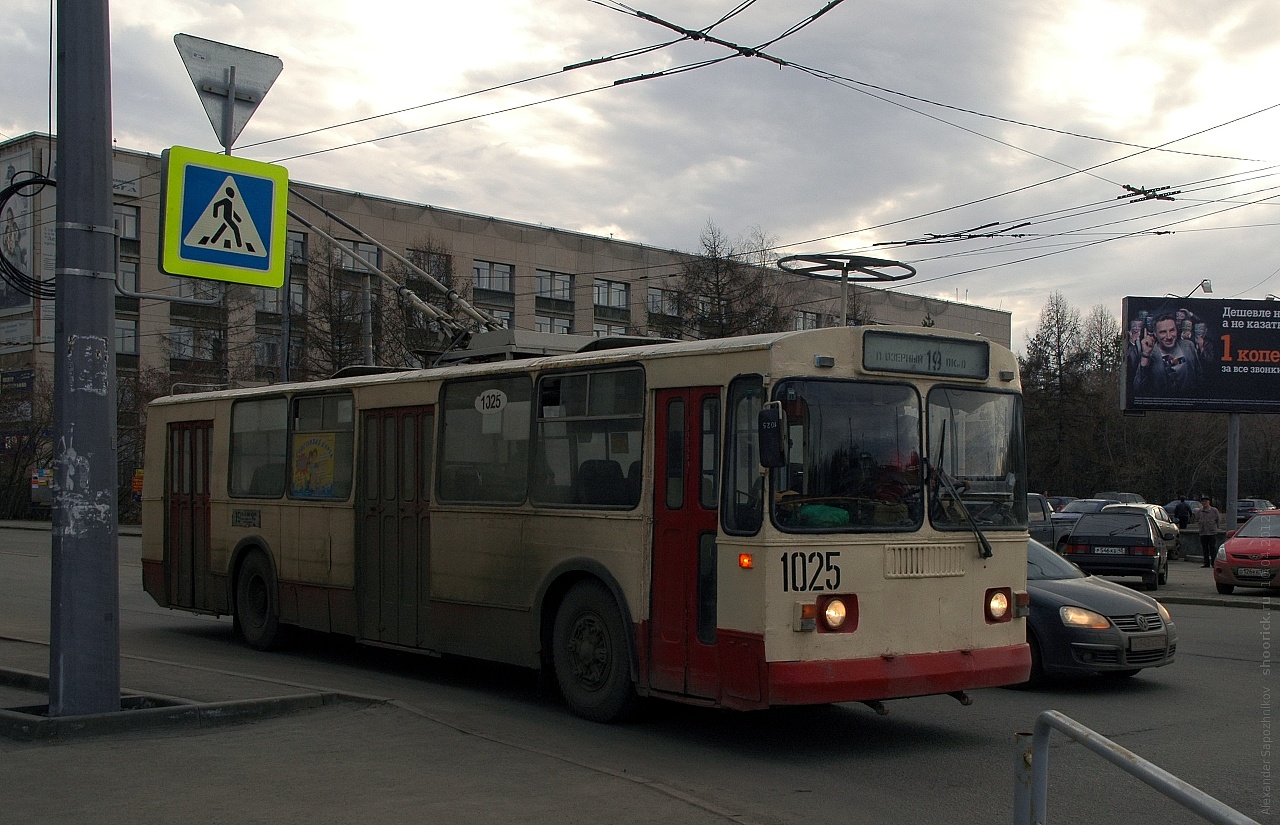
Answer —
(807, 517)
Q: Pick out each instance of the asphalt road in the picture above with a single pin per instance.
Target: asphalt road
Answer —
(464, 740)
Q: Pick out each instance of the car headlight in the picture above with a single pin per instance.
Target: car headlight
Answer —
(1164, 613)
(1081, 617)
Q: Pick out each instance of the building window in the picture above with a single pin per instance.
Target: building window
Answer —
(194, 288)
(295, 246)
(493, 276)
(297, 298)
(612, 294)
(268, 299)
(266, 349)
(436, 264)
(605, 330)
(505, 317)
(548, 284)
(366, 253)
(127, 275)
(548, 323)
(126, 336)
(663, 302)
(126, 219)
(195, 343)
(807, 320)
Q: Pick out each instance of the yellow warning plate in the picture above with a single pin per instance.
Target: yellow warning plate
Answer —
(222, 217)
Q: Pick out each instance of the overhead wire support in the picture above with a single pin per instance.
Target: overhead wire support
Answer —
(1137, 194)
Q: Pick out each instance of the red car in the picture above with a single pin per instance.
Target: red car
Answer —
(1251, 555)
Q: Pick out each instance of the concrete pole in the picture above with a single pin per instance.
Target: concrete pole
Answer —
(84, 633)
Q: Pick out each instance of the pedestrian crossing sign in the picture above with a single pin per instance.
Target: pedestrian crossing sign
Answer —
(223, 217)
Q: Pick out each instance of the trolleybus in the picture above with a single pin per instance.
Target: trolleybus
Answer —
(807, 517)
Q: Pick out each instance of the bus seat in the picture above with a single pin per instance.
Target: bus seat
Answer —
(268, 480)
(600, 481)
(633, 482)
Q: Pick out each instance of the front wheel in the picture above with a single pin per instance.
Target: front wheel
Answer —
(590, 655)
(257, 610)
(1225, 589)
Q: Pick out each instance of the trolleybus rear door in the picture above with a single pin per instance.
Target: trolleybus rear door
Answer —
(682, 632)
(188, 529)
(393, 564)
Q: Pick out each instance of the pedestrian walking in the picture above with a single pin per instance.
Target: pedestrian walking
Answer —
(1182, 513)
(1210, 521)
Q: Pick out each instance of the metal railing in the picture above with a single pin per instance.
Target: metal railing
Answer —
(1031, 774)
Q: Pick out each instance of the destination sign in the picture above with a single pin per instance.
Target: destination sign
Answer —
(925, 355)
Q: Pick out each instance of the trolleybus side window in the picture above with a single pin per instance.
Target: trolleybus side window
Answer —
(258, 447)
(589, 438)
(484, 439)
(743, 481)
(709, 490)
(975, 444)
(853, 457)
(323, 446)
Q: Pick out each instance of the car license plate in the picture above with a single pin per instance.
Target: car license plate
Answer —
(1147, 643)
(1252, 573)
(1110, 551)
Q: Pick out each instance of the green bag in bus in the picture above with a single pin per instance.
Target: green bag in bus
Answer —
(822, 515)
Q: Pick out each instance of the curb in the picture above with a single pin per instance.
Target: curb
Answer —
(140, 711)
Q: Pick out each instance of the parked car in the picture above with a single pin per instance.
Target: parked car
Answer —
(1194, 505)
(1073, 510)
(1041, 524)
(1168, 527)
(1057, 502)
(1083, 624)
(1123, 498)
(1246, 507)
(1120, 544)
(1250, 557)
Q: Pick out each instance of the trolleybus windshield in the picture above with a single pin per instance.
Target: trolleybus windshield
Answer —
(975, 438)
(853, 457)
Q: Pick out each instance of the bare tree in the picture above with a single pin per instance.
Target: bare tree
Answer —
(26, 421)
(731, 288)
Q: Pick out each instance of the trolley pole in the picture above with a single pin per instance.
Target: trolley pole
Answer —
(84, 635)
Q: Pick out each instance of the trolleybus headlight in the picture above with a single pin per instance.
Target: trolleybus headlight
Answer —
(834, 614)
(998, 605)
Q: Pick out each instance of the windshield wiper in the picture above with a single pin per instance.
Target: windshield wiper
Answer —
(984, 546)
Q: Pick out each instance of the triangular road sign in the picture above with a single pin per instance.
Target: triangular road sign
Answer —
(215, 68)
(226, 224)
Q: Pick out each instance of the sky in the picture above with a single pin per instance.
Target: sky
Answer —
(1002, 134)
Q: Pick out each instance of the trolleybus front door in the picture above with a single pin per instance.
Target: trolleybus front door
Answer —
(682, 633)
(393, 564)
(188, 529)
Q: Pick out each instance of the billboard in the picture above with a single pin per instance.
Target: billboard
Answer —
(1199, 354)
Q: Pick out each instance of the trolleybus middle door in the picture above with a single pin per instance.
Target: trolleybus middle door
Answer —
(683, 656)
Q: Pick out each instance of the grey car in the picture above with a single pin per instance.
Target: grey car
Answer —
(1120, 544)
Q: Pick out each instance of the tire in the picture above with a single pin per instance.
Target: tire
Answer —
(257, 609)
(591, 655)
(1225, 589)
(1151, 582)
(1164, 574)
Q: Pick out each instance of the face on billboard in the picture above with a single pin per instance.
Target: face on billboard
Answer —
(1167, 333)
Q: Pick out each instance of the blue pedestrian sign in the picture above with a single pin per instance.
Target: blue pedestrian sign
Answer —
(223, 217)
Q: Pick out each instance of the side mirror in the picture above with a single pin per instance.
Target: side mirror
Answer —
(771, 426)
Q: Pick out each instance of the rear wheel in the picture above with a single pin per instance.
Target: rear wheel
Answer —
(590, 654)
(257, 610)
(1151, 582)
(1225, 589)
(1164, 574)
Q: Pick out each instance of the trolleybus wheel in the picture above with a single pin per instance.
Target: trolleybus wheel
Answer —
(257, 616)
(590, 655)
